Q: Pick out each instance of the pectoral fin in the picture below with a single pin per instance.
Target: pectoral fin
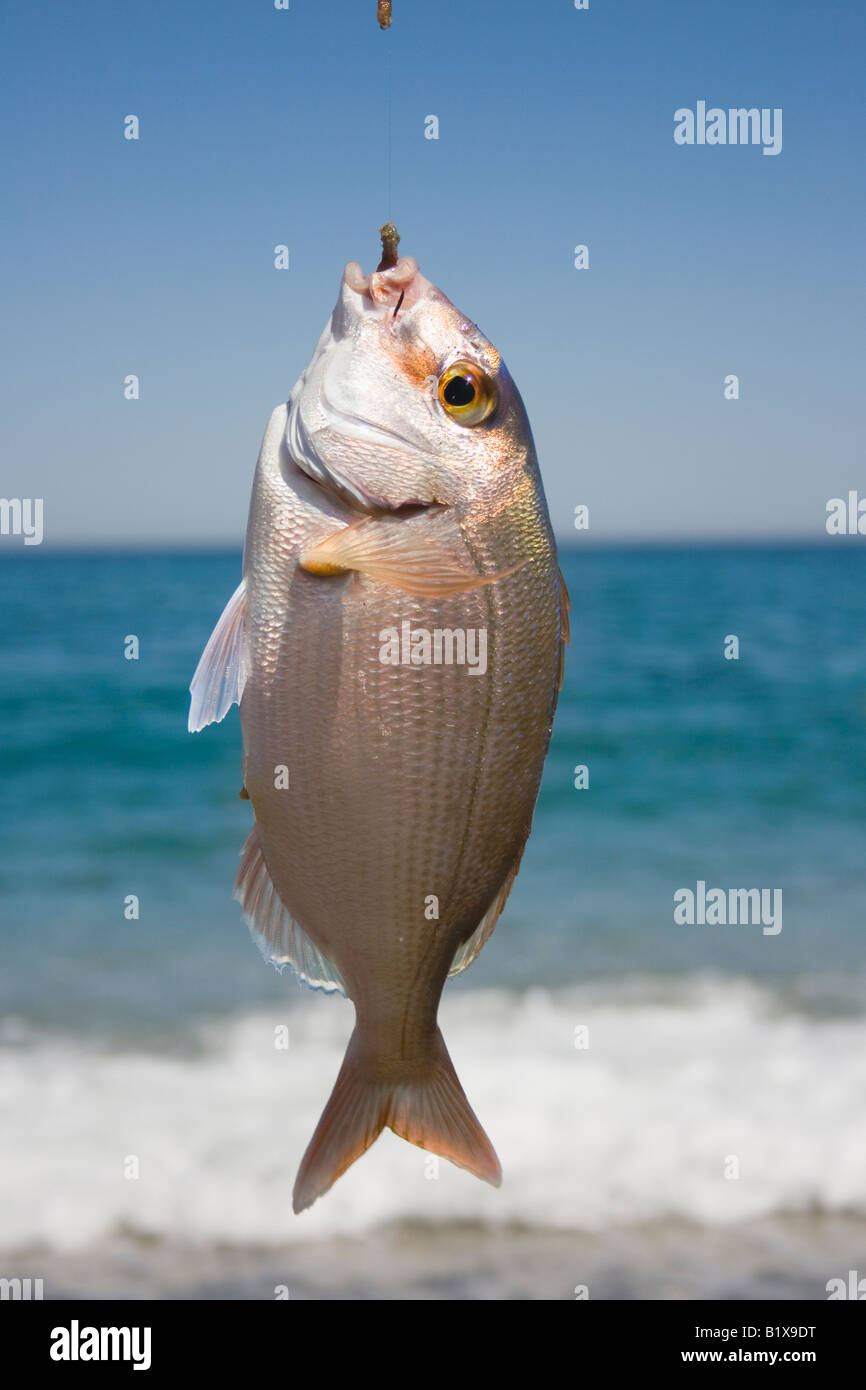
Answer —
(423, 554)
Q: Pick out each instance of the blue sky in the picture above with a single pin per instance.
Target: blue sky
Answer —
(261, 127)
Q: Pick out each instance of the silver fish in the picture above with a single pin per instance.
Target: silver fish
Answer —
(397, 529)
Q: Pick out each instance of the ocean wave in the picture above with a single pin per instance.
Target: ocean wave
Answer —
(703, 1099)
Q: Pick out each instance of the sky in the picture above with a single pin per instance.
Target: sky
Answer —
(261, 127)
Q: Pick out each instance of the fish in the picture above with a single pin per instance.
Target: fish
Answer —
(397, 519)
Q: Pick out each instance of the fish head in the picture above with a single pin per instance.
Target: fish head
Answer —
(405, 402)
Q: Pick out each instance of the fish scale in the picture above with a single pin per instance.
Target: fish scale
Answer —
(386, 861)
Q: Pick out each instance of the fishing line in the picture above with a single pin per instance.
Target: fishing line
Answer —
(388, 85)
(383, 15)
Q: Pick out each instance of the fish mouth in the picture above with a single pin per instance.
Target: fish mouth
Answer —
(327, 425)
(383, 287)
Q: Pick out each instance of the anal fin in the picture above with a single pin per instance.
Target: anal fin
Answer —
(278, 936)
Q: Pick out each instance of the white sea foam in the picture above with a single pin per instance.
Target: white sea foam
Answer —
(674, 1090)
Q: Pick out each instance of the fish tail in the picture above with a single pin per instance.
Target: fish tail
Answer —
(423, 1103)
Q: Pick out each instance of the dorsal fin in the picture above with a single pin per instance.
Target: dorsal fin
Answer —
(465, 954)
(564, 627)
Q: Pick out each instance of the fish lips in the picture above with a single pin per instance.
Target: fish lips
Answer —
(373, 466)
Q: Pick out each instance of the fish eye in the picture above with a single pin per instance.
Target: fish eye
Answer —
(467, 393)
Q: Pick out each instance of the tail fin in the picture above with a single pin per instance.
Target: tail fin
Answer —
(427, 1107)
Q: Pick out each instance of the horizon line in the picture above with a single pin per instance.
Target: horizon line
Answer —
(705, 541)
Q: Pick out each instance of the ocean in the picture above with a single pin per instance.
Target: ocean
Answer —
(678, 1107)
